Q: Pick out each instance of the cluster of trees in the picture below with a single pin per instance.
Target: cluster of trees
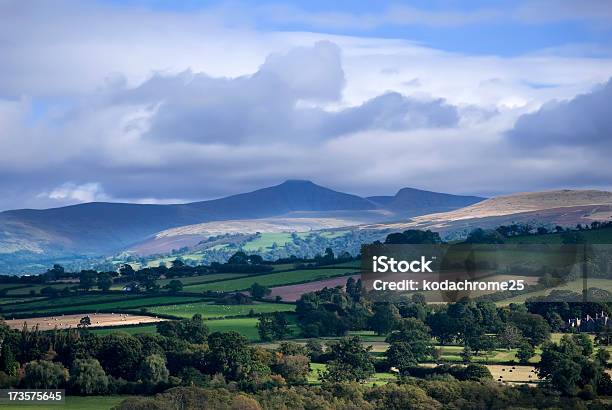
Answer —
(333, 311)
(410, 393)
(413, 328)
(180, 353)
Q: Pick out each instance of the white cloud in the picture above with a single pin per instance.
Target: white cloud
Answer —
(70, 192)
(131, 102)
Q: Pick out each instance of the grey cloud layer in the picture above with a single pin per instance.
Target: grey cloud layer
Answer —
(266, 105)
(583, 121)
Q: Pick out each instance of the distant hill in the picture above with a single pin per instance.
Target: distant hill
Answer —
(412, 202)
(561, 207)
(100, 227)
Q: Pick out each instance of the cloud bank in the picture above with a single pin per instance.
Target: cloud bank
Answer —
(182, 106)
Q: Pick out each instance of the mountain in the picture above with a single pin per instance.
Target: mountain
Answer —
(102, 228)
(412, 202)
(105, 227)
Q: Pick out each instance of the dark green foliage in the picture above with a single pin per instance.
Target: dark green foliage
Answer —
(525, 352)
(44, 375)
(409, 345)
(385, 318)
(259, 291)
(120, 355)
(273, 326)
(105, 281)
(293, 368)
(229, 354)
(350, 361)
(174, 286)
(480, 235)
(153, 370)
(414, 236)
(192, 330)
(533, 327)
(88, 377)
(568, 368)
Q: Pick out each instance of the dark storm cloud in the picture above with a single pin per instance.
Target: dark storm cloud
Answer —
(266, 105)
(583, 121)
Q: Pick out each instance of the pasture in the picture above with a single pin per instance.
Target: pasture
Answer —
(574, 286)
(211, 310)
(270, 279)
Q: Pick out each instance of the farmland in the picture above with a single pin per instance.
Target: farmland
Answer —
(211, 310)
(270, 279)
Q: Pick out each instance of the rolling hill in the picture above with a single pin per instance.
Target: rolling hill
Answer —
(102, 228)
(560, 207)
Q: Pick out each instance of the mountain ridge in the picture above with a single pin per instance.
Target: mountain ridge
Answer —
(103, 227)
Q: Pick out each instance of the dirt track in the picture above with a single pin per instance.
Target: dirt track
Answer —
(71, 321)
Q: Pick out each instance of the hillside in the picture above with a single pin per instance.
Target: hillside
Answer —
(561, 207)
(101, 229)
(412, 202)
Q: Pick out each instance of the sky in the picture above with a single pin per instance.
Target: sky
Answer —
(165, 102)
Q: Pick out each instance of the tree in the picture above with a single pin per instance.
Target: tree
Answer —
(239, 258)
(293, 368)
(525, 352)
(264, 327)
(105, 281)
(229, 354)
(120, 354)
(414, 236)
(476, 372)
(258, 291)
(153, 370)
(44, 375)
(466, 354)
(87, 279)
(400, 356)
(567, 368)
(126, 270)
(88, 377)
(314, 349)
(443, 327)
(273, 326)
(532, 326)
(174, 286)
(350, 361)
(510, 336)
(280, 326)
(385, 318)
(480, 235)
(192, 330)
(409, 345)
(255, 260)
(84, 323)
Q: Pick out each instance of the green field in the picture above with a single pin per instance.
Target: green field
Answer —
(267, 240)
(574, 286)
(247, 326)
(212, 310)
(36, 288)
(602, 236)
(191, 280)
(95, 302)
(376, 379)
(74, 403)
(271, 279)
(132, 330)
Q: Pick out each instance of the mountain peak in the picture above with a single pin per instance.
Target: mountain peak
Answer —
(298, 182)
